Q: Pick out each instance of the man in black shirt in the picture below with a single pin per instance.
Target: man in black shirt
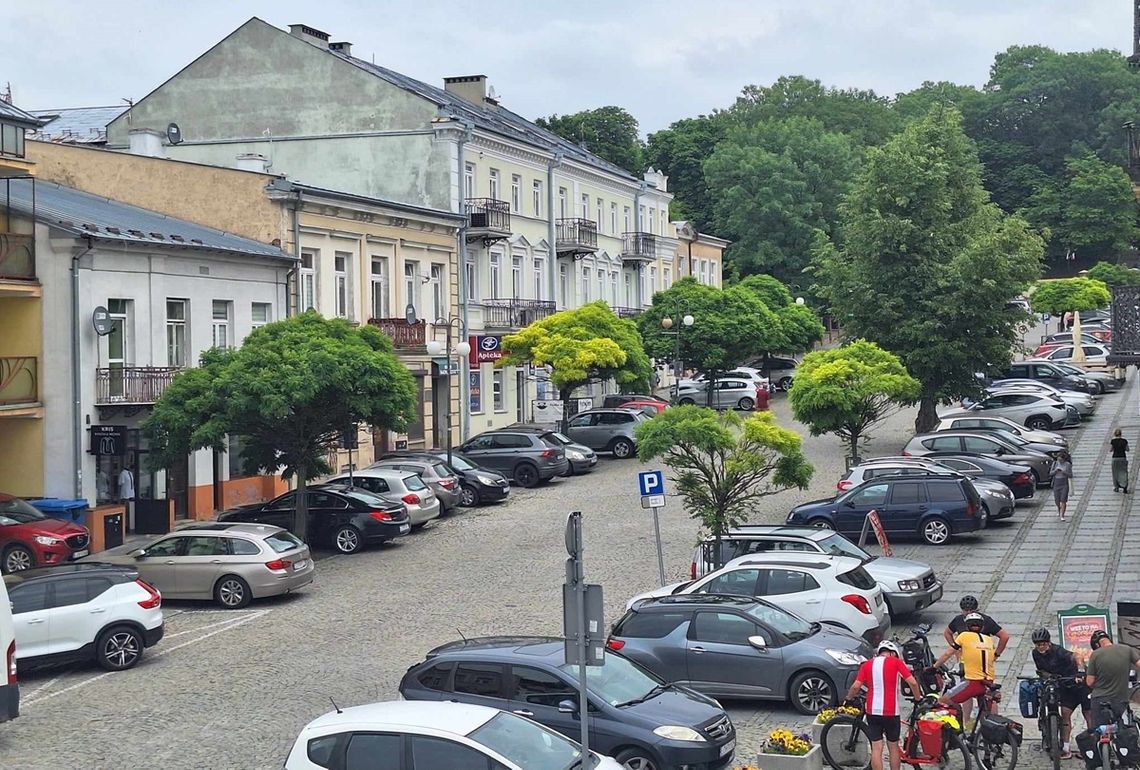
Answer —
(1054, 659)
(991, 627)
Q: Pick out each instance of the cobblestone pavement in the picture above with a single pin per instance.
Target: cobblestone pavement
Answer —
(231, 689)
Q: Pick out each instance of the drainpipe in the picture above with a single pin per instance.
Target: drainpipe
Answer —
(76, 382)
(295, 299)
(465, 368)
(552, 229)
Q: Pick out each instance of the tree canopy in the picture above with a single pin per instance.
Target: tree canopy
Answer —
(1113, 274)
(289, 392)
(611, 133)
(1069, 294)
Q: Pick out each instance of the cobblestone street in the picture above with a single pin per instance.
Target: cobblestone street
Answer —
(231, 689)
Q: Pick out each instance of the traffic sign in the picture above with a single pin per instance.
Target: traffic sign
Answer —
(653, 501)
(651, 483)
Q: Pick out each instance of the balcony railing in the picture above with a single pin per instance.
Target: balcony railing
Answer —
(19, 383)
(514, 313)
(402, 333)
(577, 236)
(17, 257)
(488, 218)
(132, 384)
(638, 247)
(627, 312)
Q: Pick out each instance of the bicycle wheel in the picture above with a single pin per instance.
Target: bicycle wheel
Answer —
(955, 753)
(1055, 740)
(846, 744)
(995, 756)
(1106, 762)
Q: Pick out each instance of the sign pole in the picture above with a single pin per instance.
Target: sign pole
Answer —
(576, 580)
(660, 551)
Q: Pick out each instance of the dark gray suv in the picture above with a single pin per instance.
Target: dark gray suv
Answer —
(606, 430)
(522, 455)
(635, 717)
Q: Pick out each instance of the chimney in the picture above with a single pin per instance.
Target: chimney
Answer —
(252, 161)
(310, 35)
(656, 179)
(147, 141)
(341, 47)
(472, 88)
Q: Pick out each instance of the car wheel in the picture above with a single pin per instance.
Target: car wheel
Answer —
(623, 449)
(468, 496)
(1039, 423)
(118, 648)
(636, 759)
(17, 559)
(985, 518)
(821, 524)
(1035, 477)
(746, 404)
(348, 539)
(232, 592)
(686, 402)
(811, 692)
(785, 383)
(935, 531)
(527, 475)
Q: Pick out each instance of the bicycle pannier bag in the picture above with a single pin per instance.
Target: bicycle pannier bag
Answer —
(1128, 744)
(1090, 752)
(1029, 698)
(995, 729)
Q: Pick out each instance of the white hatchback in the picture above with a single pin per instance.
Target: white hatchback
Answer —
(836, 590)
(433, 736)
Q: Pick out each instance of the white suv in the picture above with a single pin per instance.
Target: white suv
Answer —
(815, 586)
(84, 611)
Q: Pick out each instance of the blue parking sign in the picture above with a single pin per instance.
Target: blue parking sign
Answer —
(651, 483)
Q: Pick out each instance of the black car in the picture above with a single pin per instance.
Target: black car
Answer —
(477, 485)
(1048, 373)
(345, 519)
(1019, 478)
(636, 717)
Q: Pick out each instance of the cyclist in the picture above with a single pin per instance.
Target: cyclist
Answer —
(881, 676)
(957, 625)
(976, 649)
(1107, 674)
(1054, 659)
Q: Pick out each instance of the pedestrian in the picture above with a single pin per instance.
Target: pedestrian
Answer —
(1061, 473)
(1119, 461)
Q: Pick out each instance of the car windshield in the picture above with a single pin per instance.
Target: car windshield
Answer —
(786, 623)
(17, 511)
(413, 482)
(618, 680)
(461, 463)
(526, 743)
(281, 542)
(557, 438)
(838, 545)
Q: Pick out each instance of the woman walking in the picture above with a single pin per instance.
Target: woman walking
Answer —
(1119, 462)
(1061, 473)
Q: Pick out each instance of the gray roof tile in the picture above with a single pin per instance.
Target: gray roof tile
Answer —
(78, 125)
(13, 113)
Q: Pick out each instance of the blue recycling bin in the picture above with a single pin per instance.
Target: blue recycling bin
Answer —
(59, 508)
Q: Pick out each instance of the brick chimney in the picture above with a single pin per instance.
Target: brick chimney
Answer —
(473, 88)
(310, 35)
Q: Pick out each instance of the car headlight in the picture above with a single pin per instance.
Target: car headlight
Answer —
(678, 733)
(574, 454)
(845, 658)
(46, 539)
(488, 480)
(910, 585)
(1060, 441)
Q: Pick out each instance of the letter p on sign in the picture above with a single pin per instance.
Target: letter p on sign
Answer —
(651, 483)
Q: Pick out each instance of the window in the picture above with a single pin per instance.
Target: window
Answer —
(789, 581)
(516, 277)
(539, 687)
(435, 678)
(539, 277)
(875, 494)
(469, 180)
(437, 752)
(667, 278)
(641, 219)
(615, 418)
(564, 285)
(628, 290)
(438, 293)
(176, 352)
(583, 421)
(944, 444)
(652, 280)
(613, 218)
(944, 491)
(12, 140)
(220, 313)
(858, 578)
(239, 547)
(374, 751)
(741, 582)
(722, 628)
(472, 279)
(340, 264)
(908, 494)
(516, 193)
(69, 592)
(97, 586)
(475, 392)
(380, 306)
(260, 314)
(498, 397)
(496, 268)
(601, 209)
(980, 445)
(652, 226)
(625, 219)
(562, 202)
(585, 206)
(614, 288)
(321, 750)
(510, 441)
(651, 625)
(412, 284)
(536, 198)
(168, 547)
(493, 184)
(309, 258)
(484, 679)
(29, 597)
(601, 284)
(205, 546)
(585, 286)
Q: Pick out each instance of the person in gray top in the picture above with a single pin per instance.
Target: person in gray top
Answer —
(1107, 674)
(1060, 474)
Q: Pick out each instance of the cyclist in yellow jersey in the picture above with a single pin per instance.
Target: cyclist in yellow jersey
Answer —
(977, 652)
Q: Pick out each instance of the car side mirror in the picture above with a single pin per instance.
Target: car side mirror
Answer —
(999, 451)
(139, 553)
(567, 707)
(758, 642)
(849, 503)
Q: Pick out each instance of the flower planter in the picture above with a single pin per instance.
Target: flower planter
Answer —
(813, 760)
(816, 731)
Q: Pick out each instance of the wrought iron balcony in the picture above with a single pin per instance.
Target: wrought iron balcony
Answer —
(638, 247)
(19, 383)
(627, 312)
(117, 385)
(514, 313)
(403, 334)
(17, 257)
(576, 237)
(488, 219)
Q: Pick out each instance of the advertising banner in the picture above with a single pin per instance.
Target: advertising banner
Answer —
(485, 349)
(1077, 625)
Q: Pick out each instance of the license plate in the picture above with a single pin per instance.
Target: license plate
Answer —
(937, 594)
(300, 565)
(80, 554)
(405, 528)
(728, 748)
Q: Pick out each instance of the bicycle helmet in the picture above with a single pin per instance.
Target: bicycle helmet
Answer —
(968, 603)
(1041, 635)
(889, 646)
(1097, 637)
(975, 619)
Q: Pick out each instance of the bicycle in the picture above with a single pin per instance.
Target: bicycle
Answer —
(932, 738)
(1112, 754)
(1049, 714)
(920, 659)
(994, 739)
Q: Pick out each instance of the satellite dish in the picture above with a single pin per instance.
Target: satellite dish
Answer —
(174, 134)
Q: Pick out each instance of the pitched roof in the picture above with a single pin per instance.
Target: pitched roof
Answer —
(84, 214)
(78, 125)
(11, 112)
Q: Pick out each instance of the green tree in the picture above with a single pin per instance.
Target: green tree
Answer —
(849, 390)
(927, 264)
(914, 105)
(1113, 274)
(680, 151)
(1062, 295)
(608, 132)
(289, 391)
(723, 464)
(799, 326)
(582, 346)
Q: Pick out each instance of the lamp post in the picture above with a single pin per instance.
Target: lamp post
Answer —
(461, 350)
(667, 323)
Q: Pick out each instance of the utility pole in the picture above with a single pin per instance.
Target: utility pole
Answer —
(582, 623)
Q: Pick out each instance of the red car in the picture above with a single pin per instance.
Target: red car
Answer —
(650, 408)
(31, 538)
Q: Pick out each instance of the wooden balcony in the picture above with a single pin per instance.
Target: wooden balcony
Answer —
(403, 335)
(488, 220)
(19, 381)
(576, 237)
(514, 313)
(132, 385)
(638, 248)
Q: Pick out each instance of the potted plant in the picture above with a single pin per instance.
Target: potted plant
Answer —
(826, 716)
(784, 750)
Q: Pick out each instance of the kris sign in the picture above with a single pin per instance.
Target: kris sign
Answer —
(109, 440)
(485, 349)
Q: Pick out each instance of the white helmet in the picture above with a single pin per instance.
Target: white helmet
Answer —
(889, 646)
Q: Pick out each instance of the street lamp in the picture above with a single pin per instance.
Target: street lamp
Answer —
(461, 350)
(667, 324)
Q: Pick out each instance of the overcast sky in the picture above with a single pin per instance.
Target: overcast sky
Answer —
(661, 60)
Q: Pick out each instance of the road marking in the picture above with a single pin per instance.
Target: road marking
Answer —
(41, 688)
(215, 624)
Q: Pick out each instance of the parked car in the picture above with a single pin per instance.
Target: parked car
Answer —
(728, 393)
(1019, 443)
(967, 420)
(345, 519)
(737, 647)
(606, 430)
(649, 408)
(523, 456)
(9, 683)
(419, 735)
(1043, 371)
(935, 509)
(781, 370)
(1103, 380)
(71, 612)
(477, 485)
(614, 400)
(1094, 354)
(1057, 339)
(997, 499)
(30, 538)
(817, 587)
(1102, 330)
(746, 373)
(437, 475)
(229, 563)
(1082, 402)
(582, 459)
(1035, 410)
(635, 716)
(1018, 478)
(395, 486)
(907, 586)
(971, 442)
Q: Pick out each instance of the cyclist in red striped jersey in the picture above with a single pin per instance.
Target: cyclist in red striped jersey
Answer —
(881, 676)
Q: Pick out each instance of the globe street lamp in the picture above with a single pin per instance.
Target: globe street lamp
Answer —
(461, 351)
(667, 323)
